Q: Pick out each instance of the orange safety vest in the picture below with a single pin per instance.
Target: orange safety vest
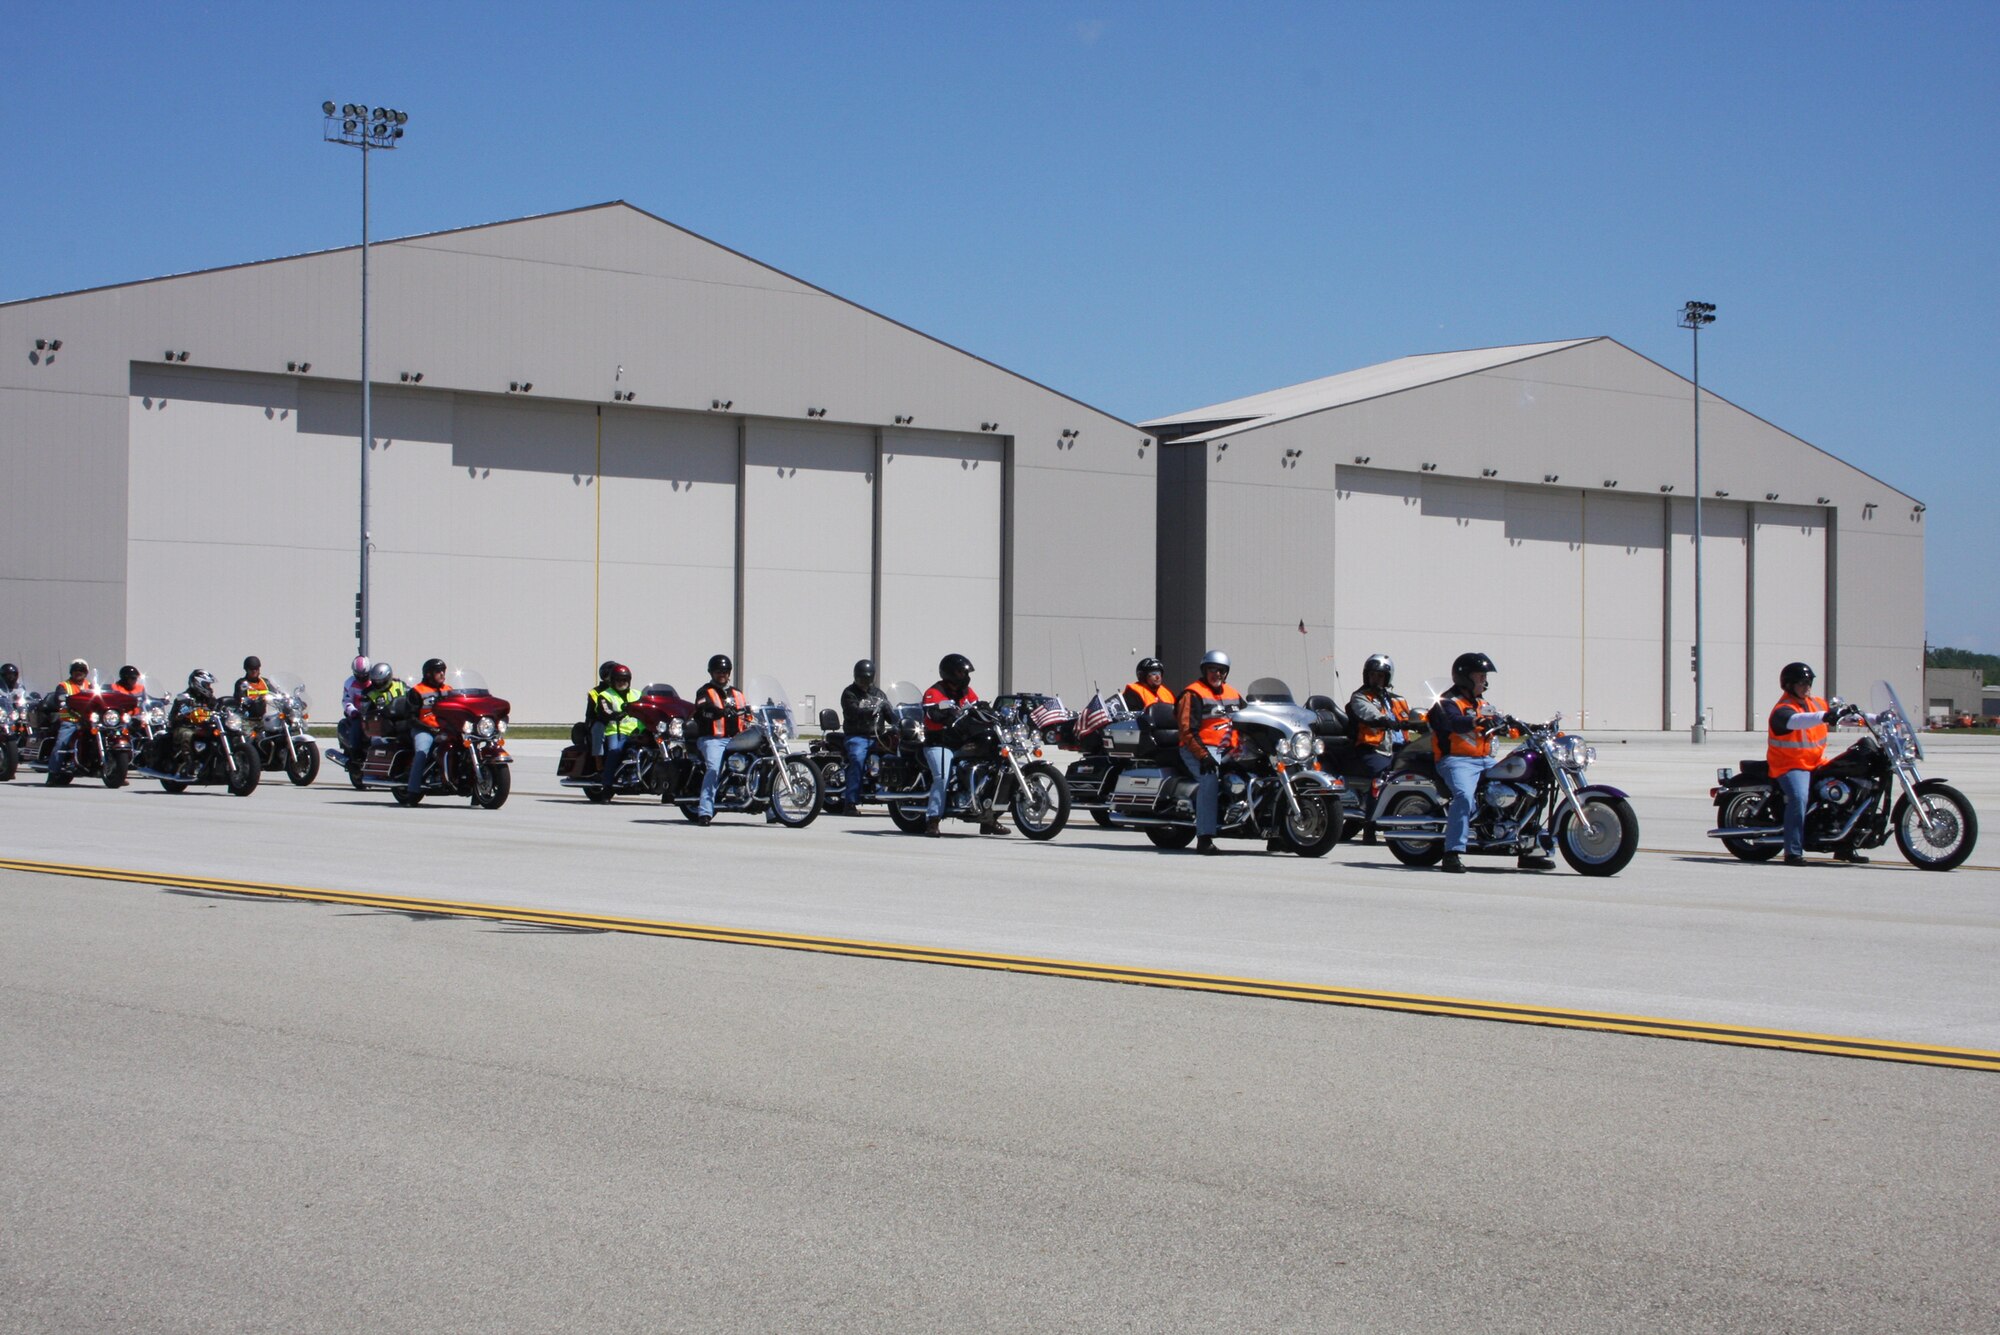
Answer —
(1149, 697)
(1212, 729)
(70, 691)
(725, 724)
(1476, 744)
(425, 714)
(1801, 748)
(1374, 734)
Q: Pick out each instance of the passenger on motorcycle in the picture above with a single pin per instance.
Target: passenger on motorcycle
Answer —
(719, 710)
(1206, 737)
(423, 735)
(1147, 686)
(59, 699)
(353, 706)
(251, 686)
(383, 686)
(1795, 747)
(1463, 726)
(610, 724)
(1379, 718)
(862, 706)
(943, 702)
(200, 694)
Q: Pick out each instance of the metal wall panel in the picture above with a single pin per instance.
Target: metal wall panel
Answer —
(1624, 546)
(1788, 596)
(941, 502)
(1725, 582)
(1879, 604)
(808, 555)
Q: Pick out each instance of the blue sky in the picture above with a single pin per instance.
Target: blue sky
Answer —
(1151, 207)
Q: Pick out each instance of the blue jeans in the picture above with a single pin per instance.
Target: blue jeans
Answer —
(353, 739)
(420, 759)
(1796, 785)
(938, 758)
(713, 749)
(1207, 788)
(611, 749)
(857, 765)
(1461, 776)
(64, 731)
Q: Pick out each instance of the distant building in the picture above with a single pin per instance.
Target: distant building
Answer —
(1950, 692)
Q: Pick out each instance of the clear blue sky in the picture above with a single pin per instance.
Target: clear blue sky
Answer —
(1149, 206)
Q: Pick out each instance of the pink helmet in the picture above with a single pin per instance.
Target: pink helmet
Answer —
(360, 666)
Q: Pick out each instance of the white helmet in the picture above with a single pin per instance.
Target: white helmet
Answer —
(1215, 658)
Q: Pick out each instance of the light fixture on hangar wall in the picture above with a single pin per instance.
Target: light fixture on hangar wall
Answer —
(358, 125)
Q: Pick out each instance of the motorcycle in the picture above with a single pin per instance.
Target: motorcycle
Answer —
(1360, 787)
(469, 757)
(996, 766)
(643, 764)
(278, 729)
(1858, 798)
(99, 748)
(760, 773)
(1268, 787)
(14, 729)
(220, 750)
(898, 745)
(1533, 799)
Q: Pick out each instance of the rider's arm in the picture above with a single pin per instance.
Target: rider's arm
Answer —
(1362, 706)
(1786, 719)
(1185, 719)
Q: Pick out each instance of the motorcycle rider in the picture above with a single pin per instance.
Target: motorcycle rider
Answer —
(862, 706)
(200, 694)
(251, 686)
(1795, 747)
(943, 703)
(10, 677)
(423, 735)
(132, 681)
(1379, 717)
(1147, 686)
(57, 702)
(1462, 727)
(719, 709)
(1206, 735)
(353, 705)
(610, 724)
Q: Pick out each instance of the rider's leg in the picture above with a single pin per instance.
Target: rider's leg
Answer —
(857, 765)
(420, 759)
(1796, 785)
(713, 749)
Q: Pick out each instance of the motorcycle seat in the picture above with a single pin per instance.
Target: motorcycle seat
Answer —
(1755, 769)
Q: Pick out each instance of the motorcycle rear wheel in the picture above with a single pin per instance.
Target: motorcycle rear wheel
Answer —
(1412, 854)
(796, 812)
(354, 773)
(1953, 844)
(489, 791)
(1170, 836)
(174, 785)
(249, 769)
(1613, 839)
(1742, 811)
(1316, 829)
(302, 767)
(1041, 808)
(832, 785)
(600, 793)
(404, 797)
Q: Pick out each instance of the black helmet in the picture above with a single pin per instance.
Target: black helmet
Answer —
(1383, 664)
(433, 667)
(720, 663)
(253, 664)
(605, 669)
(79, 665)
(1465, 665)
(954, 665)
(864, 671)
(1150, 665)
(381, 674)
(130, 676)
(1796, 672)
(10, 674)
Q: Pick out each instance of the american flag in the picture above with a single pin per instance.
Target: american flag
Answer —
(1093, 717)
(1049, 713)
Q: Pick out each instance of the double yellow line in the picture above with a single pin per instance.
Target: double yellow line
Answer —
(1556, 1017)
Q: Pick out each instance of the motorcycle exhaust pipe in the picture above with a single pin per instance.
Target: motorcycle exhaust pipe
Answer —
(1410, 823)
(1756, 835)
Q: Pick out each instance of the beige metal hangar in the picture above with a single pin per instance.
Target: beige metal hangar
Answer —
(1536, 503)
(596, 435)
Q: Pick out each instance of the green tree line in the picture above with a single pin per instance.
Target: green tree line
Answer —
(1988, 664)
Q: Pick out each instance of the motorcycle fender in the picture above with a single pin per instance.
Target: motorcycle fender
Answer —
(1314, 779)
(1603, 790)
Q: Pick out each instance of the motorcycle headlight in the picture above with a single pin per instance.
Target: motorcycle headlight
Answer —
(1302, 745)
(464, 727)
(660, 728)
(113, 718)
(676, 728)
(232, 720)
(96, 717)
(156, 717)
(483, 728)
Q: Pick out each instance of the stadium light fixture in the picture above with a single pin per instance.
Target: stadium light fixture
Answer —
(1694, 317)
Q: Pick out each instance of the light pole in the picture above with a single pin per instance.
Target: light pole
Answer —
(1693, 316)
(360, 126)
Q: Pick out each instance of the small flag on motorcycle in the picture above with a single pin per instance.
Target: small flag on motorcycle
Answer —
(1049, 713)
(1093, 717)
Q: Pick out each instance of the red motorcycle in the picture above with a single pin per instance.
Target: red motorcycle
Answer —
(99, 748)
(642, 765)
(468, 756)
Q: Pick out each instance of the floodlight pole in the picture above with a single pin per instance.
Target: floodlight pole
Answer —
(1693, 316)
(358, 126)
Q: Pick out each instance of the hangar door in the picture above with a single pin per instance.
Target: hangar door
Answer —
(1788, 599)
(941, 518)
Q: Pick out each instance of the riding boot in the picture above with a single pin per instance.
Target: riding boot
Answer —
(1535, 862)
(1452, 863)
(1850, 854)
(1204, 844)
(931, 827)
(992, 825)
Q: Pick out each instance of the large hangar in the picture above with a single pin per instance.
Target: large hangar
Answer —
(595, 435)
(1534, 502)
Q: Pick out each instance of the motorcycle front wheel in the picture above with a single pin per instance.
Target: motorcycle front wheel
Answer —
(1041, 807)
(1743, 811)
(832, 785)
(1609, 843)
(908, 816)
(249, 769)
(1315, 830)
(302, 766)
(798, 810)
(1411, 853)
(1953, 831)
(10, 759)
(115, 769)
(490, 789)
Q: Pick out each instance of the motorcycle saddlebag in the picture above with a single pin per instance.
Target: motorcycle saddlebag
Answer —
(573, 762)
(381, 761)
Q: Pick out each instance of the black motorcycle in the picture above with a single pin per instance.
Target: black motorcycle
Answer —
(759, 771)
(15, 729)
(996, 766)
(642, 767)
(1857, 799)
(895, 747)
(219, 749)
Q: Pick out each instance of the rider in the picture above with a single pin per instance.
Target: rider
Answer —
(423, 737)
(10, 677)
(1146, 687)
(1795, 747)
(862, 706)
(718, 715)
(200, 694)
(251, 688)
(1380, 717)
(943, 703)
(59, 699)
(610, 724)
(382, 685)
(132, 682)
(1462, 726)
(353, 704)
(1206, 736)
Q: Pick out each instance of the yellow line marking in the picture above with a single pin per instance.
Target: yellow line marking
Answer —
(1415, 1003)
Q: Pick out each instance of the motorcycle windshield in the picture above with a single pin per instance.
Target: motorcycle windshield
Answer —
(1269, 690)
(466, 681)
(774, 708)
(662, 690)
(287, 683)
(1885, 700)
